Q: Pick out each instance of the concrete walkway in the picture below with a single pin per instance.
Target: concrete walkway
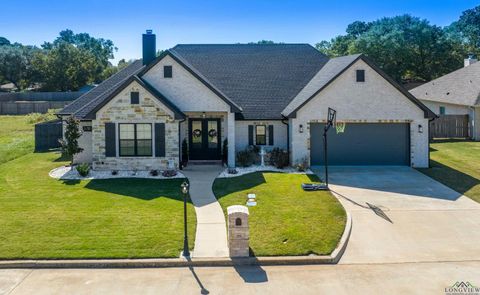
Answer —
(400, 215)
(211, 235)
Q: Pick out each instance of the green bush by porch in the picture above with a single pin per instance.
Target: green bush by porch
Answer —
(287, 220)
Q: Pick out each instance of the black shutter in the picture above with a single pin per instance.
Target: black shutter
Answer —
(159, 139)
(110, 140)
(250, 134)
(270, 134)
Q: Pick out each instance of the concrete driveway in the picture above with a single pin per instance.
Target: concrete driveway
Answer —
(401, 215)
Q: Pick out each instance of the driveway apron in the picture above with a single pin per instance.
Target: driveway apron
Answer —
(401, 215)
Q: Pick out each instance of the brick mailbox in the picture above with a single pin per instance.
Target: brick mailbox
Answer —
(238, 235)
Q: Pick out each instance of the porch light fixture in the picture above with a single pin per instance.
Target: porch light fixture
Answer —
(300, 128)
(420, 129)
(204, 115)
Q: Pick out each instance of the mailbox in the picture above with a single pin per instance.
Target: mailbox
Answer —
(238, 233)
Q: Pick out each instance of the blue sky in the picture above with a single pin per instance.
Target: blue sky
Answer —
(204, 21)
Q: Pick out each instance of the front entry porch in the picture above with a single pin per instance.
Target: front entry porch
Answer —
(205, 134)
(204, 139)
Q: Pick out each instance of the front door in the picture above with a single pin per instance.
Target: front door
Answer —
(204, 138)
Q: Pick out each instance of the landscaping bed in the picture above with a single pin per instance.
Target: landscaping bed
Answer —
(286, 220)
(456, 163)
(46, 218)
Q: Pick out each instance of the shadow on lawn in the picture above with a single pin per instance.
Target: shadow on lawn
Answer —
(225, 186)
(144, 189)
(457, 180)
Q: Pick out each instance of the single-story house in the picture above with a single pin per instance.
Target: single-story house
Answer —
(273, 95)
(457, 93)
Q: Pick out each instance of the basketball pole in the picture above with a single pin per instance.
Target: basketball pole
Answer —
(331, 118)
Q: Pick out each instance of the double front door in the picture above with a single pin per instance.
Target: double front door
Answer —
(204, 138)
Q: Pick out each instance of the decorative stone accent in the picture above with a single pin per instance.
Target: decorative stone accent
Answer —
(238, 231)
(120, 110)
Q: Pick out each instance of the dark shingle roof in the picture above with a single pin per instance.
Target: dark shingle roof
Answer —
(459, 87)
(87, 102)
(261, 79)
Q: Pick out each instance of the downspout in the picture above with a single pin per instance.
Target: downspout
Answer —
(288, 134)
(180, 144)
(430, 138)
(472, 127)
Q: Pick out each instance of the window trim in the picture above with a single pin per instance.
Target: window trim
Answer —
(170, 71)
(264, 134)
(360, 79)
(135, 141)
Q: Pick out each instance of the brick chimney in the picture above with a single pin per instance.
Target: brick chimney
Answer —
(470, 60)
(149, 47)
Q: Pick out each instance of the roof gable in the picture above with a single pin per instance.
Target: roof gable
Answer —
(332, 70)
(155, 93)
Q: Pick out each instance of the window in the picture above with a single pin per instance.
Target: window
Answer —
(134, 97)
(360, 75)
(135, 140)
(442, 110)
(167, 71)
(260, 135)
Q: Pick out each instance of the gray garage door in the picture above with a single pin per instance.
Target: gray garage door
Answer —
(362, 144)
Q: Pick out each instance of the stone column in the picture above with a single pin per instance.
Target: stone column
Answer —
(231, 139)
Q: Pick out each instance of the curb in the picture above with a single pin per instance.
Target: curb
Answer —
(181, 262)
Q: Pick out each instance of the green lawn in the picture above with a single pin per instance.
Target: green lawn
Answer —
(457, 165)
(286, 220)
(41, 217)
(16, 137)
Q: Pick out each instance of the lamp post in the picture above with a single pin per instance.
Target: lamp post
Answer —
(186, 252)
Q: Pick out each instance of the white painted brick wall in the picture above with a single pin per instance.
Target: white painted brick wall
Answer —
(183, 89)
(279, 134)
(370, 101)
(85, 142)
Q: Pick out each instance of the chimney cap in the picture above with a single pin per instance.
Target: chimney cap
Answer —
(149, 32)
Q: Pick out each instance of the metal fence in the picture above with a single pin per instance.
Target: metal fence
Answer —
(450, 126)
(47, 135)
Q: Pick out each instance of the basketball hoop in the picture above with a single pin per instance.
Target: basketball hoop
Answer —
(340, 127)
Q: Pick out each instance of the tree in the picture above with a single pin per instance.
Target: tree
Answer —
(16, 64)
(4, 41)
(406, 47)
(70, 144)
(467, 31)
(101, 49)
(66, 67)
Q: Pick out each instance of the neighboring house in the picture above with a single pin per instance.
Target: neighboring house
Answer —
(264, 95)
(457, 93)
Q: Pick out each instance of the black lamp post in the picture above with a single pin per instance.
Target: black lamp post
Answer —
(186, 252)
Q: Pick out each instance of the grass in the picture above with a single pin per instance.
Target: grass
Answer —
(286, 220)
(456, 163)
(16, 137)
(43, 218)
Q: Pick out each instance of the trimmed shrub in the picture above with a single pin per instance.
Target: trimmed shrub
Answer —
(279, 158)
(169, 173)
(83, 169)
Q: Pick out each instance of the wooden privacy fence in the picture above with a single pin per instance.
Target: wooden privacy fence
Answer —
(22, 103)
(47, 135)
(450, 126)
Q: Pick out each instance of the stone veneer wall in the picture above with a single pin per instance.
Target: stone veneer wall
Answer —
(119, 110)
